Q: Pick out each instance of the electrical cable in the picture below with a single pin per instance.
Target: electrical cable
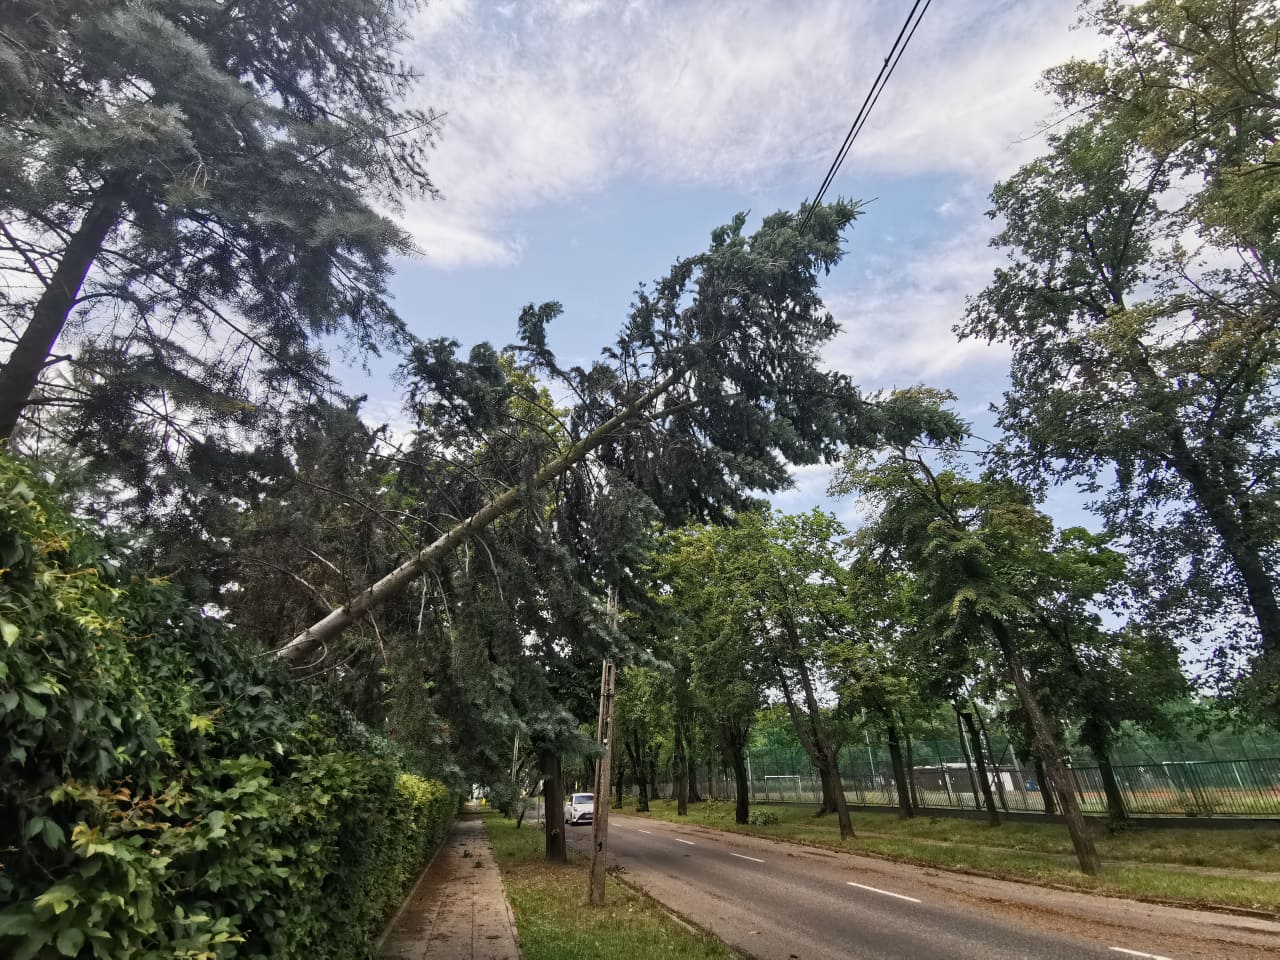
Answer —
(891, 60)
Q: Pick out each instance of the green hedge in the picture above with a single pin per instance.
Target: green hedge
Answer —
(163, 791)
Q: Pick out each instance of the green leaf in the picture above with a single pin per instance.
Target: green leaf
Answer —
(34, 706)
(58, 897)
(9, 632)
(34, 826)
(16, 924)
(69, 941)
(52, 835)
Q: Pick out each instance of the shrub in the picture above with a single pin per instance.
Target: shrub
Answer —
(762, 818)
(165, 793)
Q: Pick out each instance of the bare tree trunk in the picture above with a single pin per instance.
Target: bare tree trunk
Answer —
(995, 763)
(735, 746)
(636, 753)
(21, 371)
(899, 770)
(828, 804)
(690, 750)
(1047, 746)
(1046, 787)
(968, 762)
(911, 772)
(984, 781)
(680, 772)
(1117, 814)
(553, 802)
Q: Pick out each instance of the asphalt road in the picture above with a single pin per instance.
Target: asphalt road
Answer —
(772, 899)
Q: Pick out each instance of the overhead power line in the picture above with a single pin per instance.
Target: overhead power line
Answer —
(914, 16)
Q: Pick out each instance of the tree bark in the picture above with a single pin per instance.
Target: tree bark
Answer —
(636, 753)
(995, 762)
(1046, 788)
(899, 769)
(680, 772)
(553, 802)
(968, 761)
(619, 782)
(330, 626)
(983, 780)
(1047, 747)
(1117, 814)
(911, 772)
(21, 372)
(735, 746)
(694, 796)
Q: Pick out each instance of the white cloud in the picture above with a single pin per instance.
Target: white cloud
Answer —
(555, 98)
(897, 324)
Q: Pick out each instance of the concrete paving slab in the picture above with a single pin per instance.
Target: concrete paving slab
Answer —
(458, 909)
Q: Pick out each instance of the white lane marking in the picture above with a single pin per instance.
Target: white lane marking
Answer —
(743, 856)
(887, 893)
(689, 842)
(1138, 953)
(649, 832)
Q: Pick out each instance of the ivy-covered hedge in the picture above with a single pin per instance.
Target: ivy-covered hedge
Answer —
(163, 791)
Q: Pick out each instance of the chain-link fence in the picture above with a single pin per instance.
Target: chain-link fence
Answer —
(1189, 788)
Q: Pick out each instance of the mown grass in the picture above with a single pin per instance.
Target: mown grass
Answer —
(555, 922)
(1158, 864)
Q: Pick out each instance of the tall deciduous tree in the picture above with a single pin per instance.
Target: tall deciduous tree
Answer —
(1142, 305)
(989, 567)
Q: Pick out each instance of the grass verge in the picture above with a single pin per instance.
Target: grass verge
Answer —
(1158, 865)
(555, 922)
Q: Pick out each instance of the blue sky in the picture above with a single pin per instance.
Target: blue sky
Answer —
(589, 143)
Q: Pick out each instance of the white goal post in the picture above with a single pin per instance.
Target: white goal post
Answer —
(793, 781)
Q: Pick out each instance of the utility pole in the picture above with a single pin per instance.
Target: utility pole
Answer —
(600, 813)
(604, 737)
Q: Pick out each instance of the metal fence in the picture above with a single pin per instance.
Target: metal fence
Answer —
(1183, 788)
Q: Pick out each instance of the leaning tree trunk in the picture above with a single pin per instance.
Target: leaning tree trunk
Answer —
(968, 762)
(842, 802)
(1046, 788)
(21, 371)
(1047, 747)
(976, 741)
(553, 801)
(1116, 812)
(899, 769)
(995, 761)
(302, 646)
(822, 739)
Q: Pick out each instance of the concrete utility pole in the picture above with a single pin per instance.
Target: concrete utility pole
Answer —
(604, 737)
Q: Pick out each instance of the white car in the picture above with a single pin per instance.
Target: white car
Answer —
(580, 808)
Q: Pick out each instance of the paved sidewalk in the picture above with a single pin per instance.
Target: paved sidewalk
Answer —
(458, 910)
